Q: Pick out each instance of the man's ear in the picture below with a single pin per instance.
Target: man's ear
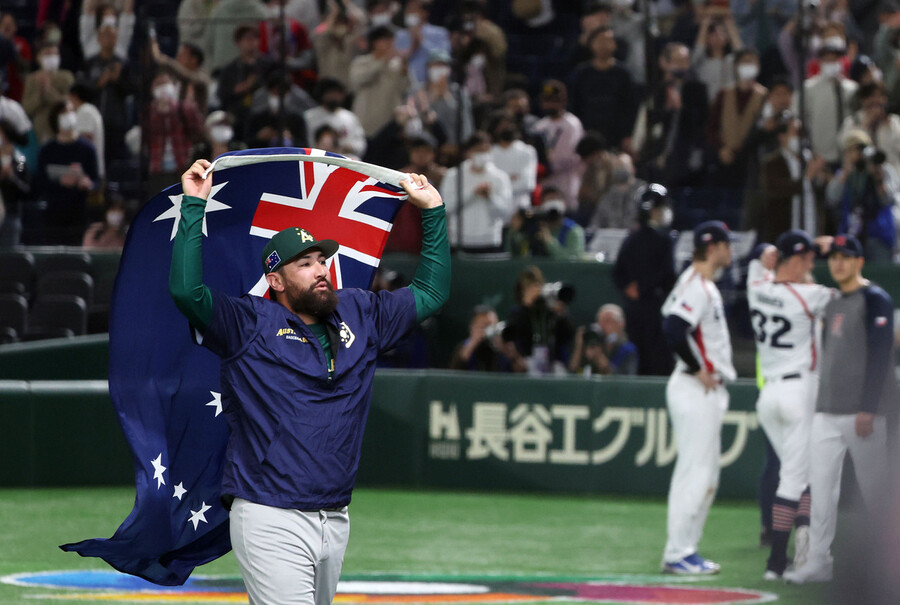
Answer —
(275, 281)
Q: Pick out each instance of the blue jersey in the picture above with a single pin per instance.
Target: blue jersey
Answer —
(296, 432)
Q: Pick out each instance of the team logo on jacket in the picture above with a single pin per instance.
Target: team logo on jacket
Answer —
(347, 336)
(289, 334)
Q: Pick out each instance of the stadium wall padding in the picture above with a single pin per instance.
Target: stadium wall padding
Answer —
(433, 429)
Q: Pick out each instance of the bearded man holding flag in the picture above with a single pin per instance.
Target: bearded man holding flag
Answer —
(297, 373)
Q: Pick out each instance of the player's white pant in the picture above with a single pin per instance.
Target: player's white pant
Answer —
(833, 435)
(785, 410)
(289, 557)
(697, 423)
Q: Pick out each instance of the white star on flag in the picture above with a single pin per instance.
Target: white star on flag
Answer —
(212, 205)
(198, 515)
(179, 491)
(216, 402)
(158, 470)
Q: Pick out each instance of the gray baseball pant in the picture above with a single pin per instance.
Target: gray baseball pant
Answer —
(289, 557)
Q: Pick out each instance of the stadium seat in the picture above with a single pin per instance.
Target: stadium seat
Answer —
(17, 267)
(66, 282)
(13, 316)
(57, 316)
(64, 261)
(607, 242)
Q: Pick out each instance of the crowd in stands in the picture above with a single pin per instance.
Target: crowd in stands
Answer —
(540, 121)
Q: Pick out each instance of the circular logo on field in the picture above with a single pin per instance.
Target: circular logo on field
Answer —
(111, 586)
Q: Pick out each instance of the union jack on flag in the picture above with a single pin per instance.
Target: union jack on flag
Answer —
(164, 387)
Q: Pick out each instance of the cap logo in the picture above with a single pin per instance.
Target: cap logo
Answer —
(706, 237)
(798, 246)
(305, 236)
(840, 240)
(272, 260)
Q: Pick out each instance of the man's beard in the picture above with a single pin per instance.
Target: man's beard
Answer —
(319, 304)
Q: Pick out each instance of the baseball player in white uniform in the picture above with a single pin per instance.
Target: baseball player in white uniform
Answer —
(696, 330)
(786, 313)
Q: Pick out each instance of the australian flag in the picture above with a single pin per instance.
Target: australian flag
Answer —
(164, 387)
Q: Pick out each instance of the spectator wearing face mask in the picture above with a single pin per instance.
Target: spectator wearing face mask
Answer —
(220, 137)
(559, 237)
(242, 77)
(782, 184)
(443, 96)
(873, 117)
(276, 115)
(419, 38)
(90, 122)
(378, 80)
(334, 40)
(170, 129)
(484, 205)
(66, 173)
(731, 120)
(331, 95)
(109, 233)
(713, 55)
(516, 158)
(827, 101)
(561, 132)
(97, 15)
(44, 88)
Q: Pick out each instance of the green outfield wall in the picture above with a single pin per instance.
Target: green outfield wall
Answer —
(426, 429)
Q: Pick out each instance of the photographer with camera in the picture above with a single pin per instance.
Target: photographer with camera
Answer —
(546, 230)
(603, 347)
(873, 117)
(484, 350)
(863, 195)
(538, 326)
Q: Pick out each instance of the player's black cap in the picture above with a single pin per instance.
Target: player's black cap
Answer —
(794, 242)
(846, 245)
(711, 232)
(291, 242)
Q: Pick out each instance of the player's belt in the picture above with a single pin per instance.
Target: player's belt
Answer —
(791, 376)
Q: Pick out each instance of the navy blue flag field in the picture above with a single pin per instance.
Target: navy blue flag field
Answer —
(164, 387)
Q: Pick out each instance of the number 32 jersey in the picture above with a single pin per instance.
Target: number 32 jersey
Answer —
(785, 317)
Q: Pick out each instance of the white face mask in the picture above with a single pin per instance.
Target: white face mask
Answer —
(68, 121)
(108, 21)
(412, 127)
(747, 71)
(412, 20)
(221, 133)
(438, 72)
(115, 218)
(50, 62)
(380, 19)
(815, 42)
(274, 103)
(478, 61)
(793, 145)
(480, 159)
(831, 69)
(834, 42)
(165, 91)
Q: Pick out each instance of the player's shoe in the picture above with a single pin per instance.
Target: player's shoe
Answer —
(692, 565)
(771, 575)
(801, 546)
(809, 573)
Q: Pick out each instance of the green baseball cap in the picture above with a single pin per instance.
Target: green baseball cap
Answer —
(291, 242)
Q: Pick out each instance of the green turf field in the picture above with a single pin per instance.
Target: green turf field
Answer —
(422, 533)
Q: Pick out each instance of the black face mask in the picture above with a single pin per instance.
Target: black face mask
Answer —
(507, 135)
(679, 74)
(331, 104)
